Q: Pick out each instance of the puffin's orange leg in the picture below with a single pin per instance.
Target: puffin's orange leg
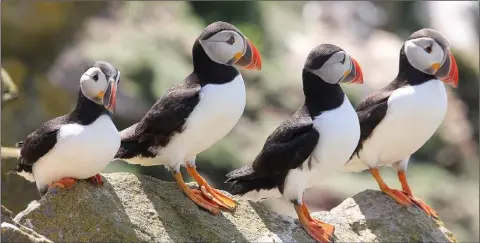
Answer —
(393, 193)
(195, 196)
(64, 183)
(319, 231)
(96, 180)
(211, 193)
(407, 191)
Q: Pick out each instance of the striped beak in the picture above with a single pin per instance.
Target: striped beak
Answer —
(251, 59)
(110, 96)
(355, 74)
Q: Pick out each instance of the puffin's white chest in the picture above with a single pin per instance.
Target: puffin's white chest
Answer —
(80, 152)
(339, 135)
(219, 109)
(339, 131)
(414, 114)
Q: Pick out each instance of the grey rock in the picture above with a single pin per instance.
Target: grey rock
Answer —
(372, 216)
(131, 208)
(15, 232)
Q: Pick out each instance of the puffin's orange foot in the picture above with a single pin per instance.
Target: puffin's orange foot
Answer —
(96, 180)
(319, 231)
(398, 196)
(64, 183)
(198, 198)
(196, 195)
(422, 205)
(213, 195)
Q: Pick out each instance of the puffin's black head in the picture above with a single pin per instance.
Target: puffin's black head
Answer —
(333, 65)
(428, 51)
(225, 44)
(99, 84)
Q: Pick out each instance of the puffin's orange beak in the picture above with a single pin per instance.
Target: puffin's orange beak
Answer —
(448, 72)
(355, 74)
(251, 59)
(110, 98)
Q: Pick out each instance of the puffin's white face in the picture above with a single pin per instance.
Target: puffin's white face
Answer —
(99, 87)
(225, 47)
(94, 84)
(340, 67)
(425, 54)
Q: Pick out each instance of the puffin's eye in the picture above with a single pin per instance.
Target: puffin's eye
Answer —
(343, 60)
(231, 41)
(95, 77)
(428, 49)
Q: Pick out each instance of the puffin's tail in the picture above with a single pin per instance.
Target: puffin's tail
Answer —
(131, 145)
(131, 149)
(245, 179)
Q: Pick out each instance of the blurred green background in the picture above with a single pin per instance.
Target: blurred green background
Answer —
(46, 47)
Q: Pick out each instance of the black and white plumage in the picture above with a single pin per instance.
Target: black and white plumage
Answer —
(77, 145)
(319, 137)
(198, 112)
(398, 119)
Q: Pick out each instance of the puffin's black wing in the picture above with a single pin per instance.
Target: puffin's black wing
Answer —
(286, 148)
(166, 117)
(37, 144)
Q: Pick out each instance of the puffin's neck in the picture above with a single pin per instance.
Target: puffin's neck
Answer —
(320, 96)
(86, 111)
(208, 71)
(408, 74)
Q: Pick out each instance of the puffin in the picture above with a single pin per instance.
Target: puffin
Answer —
(318, 138)
(400, 118)
(78, 145)
(195, 114)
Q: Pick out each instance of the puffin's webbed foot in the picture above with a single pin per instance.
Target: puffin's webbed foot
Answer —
(319, 231)
(422, 205)
(408, 192)
(213, 195)
(397, 195)
(196, 195)
(96, 180)
(64, 183)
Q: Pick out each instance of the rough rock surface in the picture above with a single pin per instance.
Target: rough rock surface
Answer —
(130, 208)
(15, 232)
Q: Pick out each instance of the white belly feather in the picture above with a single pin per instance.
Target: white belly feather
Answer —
(80, 152)
(219, 109)
(414, 114)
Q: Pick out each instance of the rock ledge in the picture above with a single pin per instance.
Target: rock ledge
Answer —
(131, 208)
